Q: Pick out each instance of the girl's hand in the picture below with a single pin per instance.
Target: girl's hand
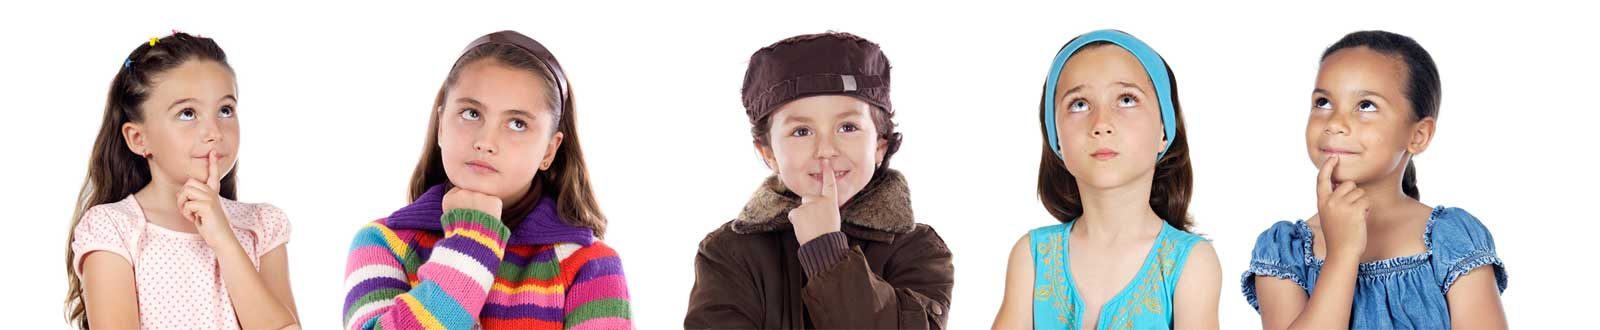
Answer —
(199, 203)
(458, 198)
(1342, 209)
(817, 214)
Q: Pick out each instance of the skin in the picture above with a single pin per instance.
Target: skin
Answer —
(496, 131)
(825, 149)
(1110, 129)
(1361, 133)
(191, 135)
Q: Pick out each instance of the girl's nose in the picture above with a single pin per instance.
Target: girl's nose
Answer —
(484, 142)
(825, 147)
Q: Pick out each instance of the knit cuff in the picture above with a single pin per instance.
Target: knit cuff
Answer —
(822, 252)
(463, 219)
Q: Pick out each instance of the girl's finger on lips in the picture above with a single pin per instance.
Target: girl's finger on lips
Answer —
(212, 179)
(1325, 176)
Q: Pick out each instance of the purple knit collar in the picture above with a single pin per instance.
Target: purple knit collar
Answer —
(542, 226)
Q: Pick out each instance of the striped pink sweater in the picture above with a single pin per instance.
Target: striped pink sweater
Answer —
(424, 268)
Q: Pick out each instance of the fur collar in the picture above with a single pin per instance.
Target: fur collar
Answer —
(884, 206)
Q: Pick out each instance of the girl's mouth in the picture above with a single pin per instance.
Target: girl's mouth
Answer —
(481, 167)
(837, 175)
(1104, 154)
(1336, 151)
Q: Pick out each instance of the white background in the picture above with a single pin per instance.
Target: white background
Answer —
(334, 99)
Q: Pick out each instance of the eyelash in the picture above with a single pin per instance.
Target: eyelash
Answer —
(1365, 104)
(1072, 105)
(475, 116)
(1324, 104)
(804, 131)
(188, 114)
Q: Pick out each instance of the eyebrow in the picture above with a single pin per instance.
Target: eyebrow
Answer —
(807, 120)
(191, 99)
(1130, 85)
(1359, 92)
(516, 112)
(469, 100)
(513, 112)
(1373, 94)
(1077, 88)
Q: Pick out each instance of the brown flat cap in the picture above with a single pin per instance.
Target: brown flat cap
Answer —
(831, 63)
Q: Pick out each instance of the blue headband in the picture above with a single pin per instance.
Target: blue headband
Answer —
(1153, 65)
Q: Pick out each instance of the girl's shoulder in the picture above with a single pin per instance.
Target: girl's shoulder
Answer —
(1049, 231)
(1284, 243)
(266, 221)
(1451, 226)
(123, 215)
(1458, 243)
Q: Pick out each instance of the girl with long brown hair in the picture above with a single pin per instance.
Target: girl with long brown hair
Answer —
(503, 230)
(158, 241)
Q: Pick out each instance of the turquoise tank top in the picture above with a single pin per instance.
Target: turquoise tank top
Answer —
(1145, 303)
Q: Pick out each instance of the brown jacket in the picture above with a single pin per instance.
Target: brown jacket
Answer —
(893, 272)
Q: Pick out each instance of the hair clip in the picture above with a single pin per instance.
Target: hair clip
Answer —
(128, 63)
(153, 41)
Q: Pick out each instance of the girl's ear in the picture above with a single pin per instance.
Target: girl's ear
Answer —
(1421, 135)
(883, 147)
(133, 134)
(550, 151)
(766, 156)
(438, 126)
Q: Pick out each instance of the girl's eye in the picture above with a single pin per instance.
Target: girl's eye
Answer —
(1127, 101)
(517, 125)
(848, 127)
(470, 114)
(226, 111)
(800, 131)
(186, 115)
(1322, 103)
(1078, 105)
(1367, 106)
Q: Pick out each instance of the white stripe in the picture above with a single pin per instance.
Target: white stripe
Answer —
(564, 250)
(465, 264)
(373, 271)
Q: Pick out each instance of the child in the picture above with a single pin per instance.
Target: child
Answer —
(1373, 256)
(828, 240)
(158, 240)
(502, 140)
(1114, 169)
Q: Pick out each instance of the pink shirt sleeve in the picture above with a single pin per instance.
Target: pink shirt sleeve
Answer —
(102, 229)
(272, 228)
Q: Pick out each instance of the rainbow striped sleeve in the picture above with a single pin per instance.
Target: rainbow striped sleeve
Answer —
(450, 287)
(598, 297)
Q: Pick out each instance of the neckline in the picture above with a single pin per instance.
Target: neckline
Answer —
(1380, 266)
(145, 219)
(1127, 288)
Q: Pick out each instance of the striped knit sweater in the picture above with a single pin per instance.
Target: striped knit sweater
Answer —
(422, 268)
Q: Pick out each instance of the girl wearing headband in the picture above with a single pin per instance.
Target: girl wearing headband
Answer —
(1114, 170)
(1373, 256)
(158, 241)
(502, 230)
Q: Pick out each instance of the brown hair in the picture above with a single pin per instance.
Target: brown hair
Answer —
(114, 171)
(1170, 190)
(567, 179)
